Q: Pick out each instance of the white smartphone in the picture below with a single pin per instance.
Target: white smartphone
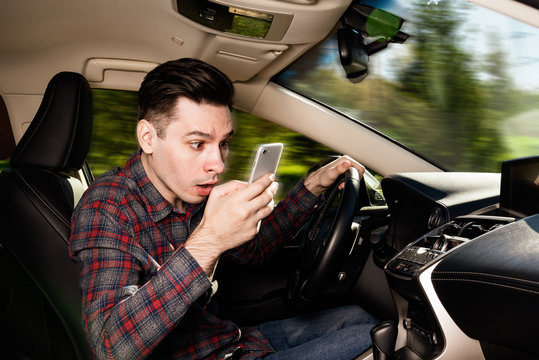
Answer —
(266, 160)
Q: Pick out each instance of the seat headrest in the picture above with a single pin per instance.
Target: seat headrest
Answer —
(58, 137)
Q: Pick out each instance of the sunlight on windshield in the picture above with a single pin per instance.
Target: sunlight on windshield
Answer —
(462, 91)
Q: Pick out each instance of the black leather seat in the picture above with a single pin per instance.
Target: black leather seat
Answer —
(41, 301)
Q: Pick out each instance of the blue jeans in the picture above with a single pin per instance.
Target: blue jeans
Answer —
(341, 333)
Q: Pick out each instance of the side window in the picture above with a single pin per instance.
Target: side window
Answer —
(114, 140)
(113, 136)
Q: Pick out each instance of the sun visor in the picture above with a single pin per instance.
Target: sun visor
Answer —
(239, 59)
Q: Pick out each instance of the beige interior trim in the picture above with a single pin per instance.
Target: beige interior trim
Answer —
(26, 107)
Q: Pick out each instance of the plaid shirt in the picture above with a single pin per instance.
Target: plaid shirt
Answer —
(143, 293)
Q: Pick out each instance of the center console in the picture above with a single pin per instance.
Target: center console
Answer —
(418, 334)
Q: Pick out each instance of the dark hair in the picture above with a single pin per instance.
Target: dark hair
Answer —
(191, 78)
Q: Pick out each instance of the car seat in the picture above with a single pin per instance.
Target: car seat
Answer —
(41, 299)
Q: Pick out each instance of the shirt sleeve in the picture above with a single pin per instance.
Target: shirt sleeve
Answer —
(282, 224)
(123, 319)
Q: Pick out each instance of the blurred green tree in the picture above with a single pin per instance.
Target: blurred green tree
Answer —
(443, 75)
(114, 129)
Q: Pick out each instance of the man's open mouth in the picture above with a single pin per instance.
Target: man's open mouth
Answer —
(205, 189)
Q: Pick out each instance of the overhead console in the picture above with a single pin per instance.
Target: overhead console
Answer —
(252, 41)
(235, 20)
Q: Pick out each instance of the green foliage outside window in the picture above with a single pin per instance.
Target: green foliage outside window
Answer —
(114, 129)
(4, 164)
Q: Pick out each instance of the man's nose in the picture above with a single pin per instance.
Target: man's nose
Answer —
(215, 161)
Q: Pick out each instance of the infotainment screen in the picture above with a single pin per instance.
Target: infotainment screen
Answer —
(519, 193)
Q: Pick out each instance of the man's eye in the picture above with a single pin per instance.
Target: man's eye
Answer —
(197, 145)
(225, 144)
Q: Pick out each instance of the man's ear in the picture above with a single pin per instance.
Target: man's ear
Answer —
(146, 136)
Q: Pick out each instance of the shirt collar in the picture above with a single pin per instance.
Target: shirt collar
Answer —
(158, 206)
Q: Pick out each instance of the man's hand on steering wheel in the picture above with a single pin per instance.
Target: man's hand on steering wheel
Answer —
(320, 180)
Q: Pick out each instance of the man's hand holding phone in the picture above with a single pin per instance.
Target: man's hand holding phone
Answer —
(235, 209)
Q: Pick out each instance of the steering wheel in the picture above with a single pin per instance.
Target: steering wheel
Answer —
(327, 242)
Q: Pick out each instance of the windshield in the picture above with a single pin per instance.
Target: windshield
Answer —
(462, 90)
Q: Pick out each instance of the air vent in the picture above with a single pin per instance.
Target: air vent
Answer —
(436, 218)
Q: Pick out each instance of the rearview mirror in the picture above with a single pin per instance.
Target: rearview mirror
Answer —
(359, 23)
(353, 54)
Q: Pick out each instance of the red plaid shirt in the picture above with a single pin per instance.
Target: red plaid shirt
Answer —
(143, 293)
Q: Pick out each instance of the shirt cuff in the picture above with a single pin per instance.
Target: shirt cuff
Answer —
(186, 276)
(305, 200)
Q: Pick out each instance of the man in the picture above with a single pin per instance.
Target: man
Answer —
(148, 236)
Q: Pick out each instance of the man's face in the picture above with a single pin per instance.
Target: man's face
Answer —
(185, 164)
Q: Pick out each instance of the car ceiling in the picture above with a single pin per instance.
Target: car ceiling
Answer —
(66, 35)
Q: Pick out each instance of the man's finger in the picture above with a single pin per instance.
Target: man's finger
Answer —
(360, 168)
(336, 170)
(259, 186)
(345, 165)
(229, 187)
(264, 211)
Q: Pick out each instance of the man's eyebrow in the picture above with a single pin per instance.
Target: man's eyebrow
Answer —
(206, 135)
(198, 133)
